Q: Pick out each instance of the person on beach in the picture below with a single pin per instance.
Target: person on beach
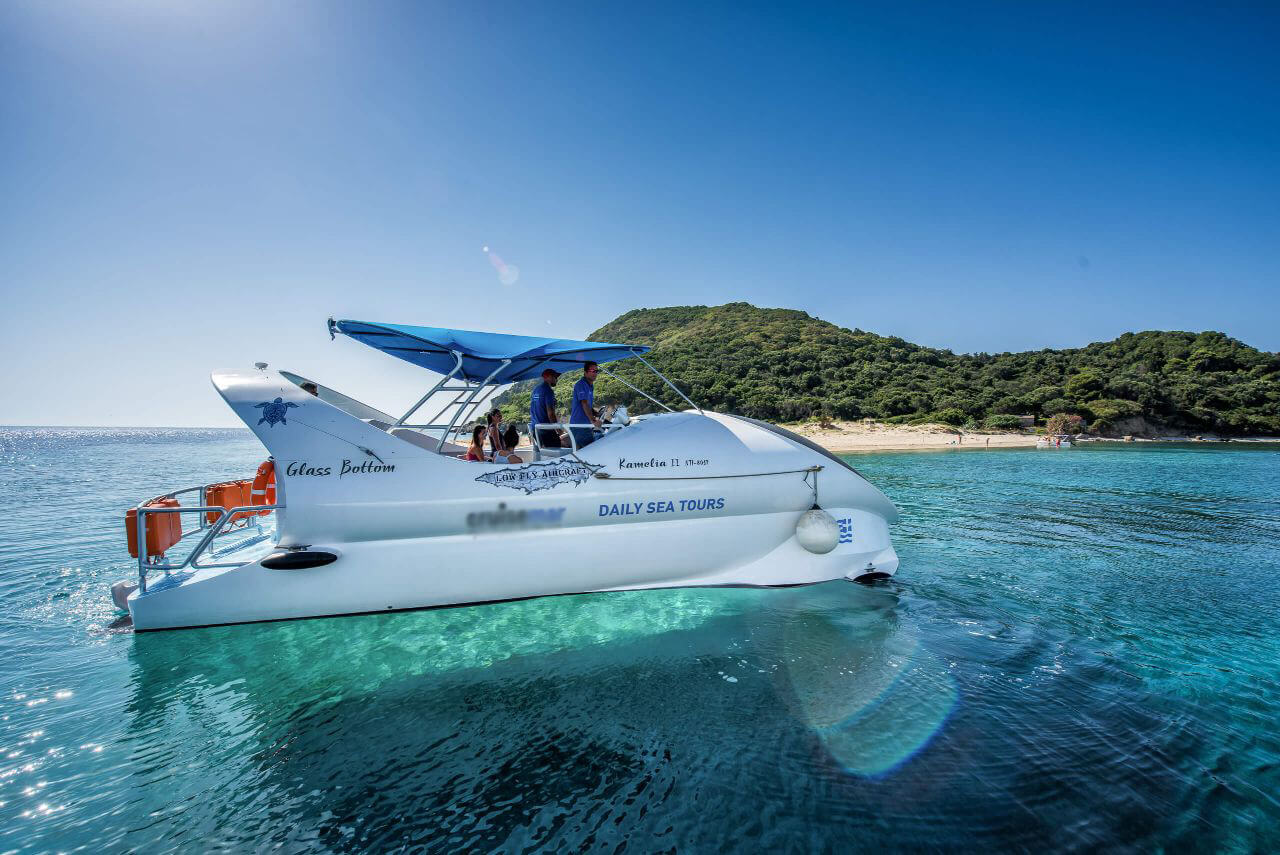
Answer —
(542, 409)
(583, 412)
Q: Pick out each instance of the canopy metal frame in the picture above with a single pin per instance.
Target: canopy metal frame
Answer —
(664, 379)
(434, 389)
(472, 388)
(467, 407)
(470, 394)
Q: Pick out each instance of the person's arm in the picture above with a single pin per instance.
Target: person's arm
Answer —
(551, 411)
(592, 411)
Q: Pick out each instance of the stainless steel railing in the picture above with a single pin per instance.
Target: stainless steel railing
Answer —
(211, 530)
(565, 426)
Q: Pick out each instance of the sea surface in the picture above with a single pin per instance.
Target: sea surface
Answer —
(1080, 650)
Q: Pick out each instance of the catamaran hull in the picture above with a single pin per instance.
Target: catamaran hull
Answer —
(461, 569)
(677, 500)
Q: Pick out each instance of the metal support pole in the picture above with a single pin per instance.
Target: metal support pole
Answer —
(634, 389)
(441, 411)
(445, 379)
(469, 411)
(141, 518)
(668, 382)
(483, 384)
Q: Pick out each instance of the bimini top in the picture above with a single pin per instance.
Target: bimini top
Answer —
(482, 353)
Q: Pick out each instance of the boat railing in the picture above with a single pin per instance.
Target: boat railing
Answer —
(425, 427)
(206, 530)
(565, 426)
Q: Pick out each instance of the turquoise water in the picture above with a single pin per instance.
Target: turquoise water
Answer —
(1082, 649)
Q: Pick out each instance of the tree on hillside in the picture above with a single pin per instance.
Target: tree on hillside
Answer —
(1064, 423)
(783, 364)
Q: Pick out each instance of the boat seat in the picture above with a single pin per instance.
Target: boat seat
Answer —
(418, 439)
(428, 443)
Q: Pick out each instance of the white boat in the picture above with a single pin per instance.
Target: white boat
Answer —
(374, 513)
(1059, 440)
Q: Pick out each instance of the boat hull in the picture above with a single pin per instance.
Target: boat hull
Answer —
(677, 500)
(452, 570)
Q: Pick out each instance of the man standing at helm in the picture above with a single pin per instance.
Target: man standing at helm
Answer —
(584, 398)
(542, 409)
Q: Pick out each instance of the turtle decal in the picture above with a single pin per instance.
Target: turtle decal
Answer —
(273, 411)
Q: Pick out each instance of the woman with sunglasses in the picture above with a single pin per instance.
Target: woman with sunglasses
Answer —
(501, 454)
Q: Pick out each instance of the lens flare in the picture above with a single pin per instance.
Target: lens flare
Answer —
(864, 683)
(508, 274)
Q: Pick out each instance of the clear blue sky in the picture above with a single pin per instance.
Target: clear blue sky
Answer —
(193, 185)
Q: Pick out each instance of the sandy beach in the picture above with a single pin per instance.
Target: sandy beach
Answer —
(873, 436)
(848, 437)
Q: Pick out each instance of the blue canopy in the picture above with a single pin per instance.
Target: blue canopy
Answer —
(482, 353)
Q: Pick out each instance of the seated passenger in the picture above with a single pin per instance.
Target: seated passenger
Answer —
(511, 437)
(501, 454)
(476, 451)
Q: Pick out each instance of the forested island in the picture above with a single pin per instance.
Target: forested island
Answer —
(784, 365)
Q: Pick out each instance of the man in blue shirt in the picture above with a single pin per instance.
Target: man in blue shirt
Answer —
(542, 409)
(583, 412)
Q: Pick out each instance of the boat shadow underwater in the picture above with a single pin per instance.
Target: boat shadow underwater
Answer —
(576, 720)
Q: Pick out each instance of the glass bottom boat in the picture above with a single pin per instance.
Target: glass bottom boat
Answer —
(358, 511)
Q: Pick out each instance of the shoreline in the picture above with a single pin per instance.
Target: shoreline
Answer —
(853, 437)
(850, 437)
(837, 437)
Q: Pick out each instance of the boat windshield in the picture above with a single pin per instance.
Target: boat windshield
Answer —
(343, 402)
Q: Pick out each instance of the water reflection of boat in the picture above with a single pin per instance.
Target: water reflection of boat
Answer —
(618, 716)
(376, 513)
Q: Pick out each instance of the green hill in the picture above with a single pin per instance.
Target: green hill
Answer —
(784, 365)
